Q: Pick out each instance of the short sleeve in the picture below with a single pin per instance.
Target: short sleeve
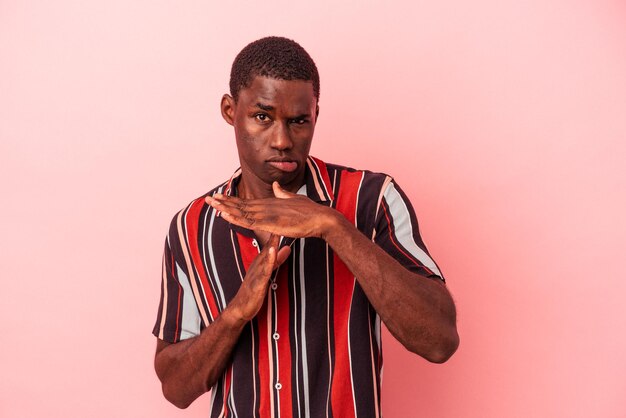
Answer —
(397, 232)
(178, 317)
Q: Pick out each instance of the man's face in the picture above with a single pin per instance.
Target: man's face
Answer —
(274, 122)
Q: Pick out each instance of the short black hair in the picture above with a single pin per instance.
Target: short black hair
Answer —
(274, 57)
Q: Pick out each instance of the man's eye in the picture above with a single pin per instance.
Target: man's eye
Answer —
(299, 121)
(261, 117)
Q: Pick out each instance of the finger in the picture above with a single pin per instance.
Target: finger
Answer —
(234, 213)
(243, 221)
(221, 202)
(272, 241)
(268, 267)
(231, 199)
(227, 203)
(240, 208)
(283, 254)
(281, 193)
(211, 201)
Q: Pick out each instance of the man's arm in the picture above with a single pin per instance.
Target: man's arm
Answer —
(418, 311)
(189, 368)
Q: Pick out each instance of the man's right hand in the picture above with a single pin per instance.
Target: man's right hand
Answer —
(253, 291)
(189, 368)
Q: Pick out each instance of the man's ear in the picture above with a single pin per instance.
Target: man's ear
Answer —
(317, 112)
(227, 106)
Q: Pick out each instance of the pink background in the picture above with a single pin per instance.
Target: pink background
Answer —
(504, 121)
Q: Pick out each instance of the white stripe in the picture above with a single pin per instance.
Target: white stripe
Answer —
(191, 316)
(231, 396)
(305, 372)
(164, 310)
(356, 206)
(403, 228)
(295, 333)
(213, 395)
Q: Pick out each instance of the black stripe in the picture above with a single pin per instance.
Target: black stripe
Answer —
(295, 320)
(218, 388)
(254, 335)
(367, 204)
(317, 332)
(360, 349)
(331, 328)
(241, 377)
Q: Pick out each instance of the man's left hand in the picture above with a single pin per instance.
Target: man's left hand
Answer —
(286, 214)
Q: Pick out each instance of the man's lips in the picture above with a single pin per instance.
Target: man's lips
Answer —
(283, 164)
(287, 166)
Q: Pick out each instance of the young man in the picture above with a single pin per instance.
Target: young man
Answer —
(275, 282)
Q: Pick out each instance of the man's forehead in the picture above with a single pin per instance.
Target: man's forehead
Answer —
(267, 89)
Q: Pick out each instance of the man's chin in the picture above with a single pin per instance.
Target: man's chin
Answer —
(288, 181)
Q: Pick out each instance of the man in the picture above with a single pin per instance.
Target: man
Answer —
(275, 282)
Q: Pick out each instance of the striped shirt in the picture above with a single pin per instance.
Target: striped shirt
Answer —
(314, 348)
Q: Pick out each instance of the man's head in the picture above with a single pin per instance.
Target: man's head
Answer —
(273, 57)
(273, 108)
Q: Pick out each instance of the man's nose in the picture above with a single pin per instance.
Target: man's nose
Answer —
(281, 138)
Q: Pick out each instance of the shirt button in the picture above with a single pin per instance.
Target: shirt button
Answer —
(276, 336)
(278, 386)
(255, 243)
(274, 286)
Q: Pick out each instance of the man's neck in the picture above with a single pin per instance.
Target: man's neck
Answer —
(251, 187)
(249, 190)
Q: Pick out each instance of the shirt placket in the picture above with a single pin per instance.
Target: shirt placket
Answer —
(272, 321)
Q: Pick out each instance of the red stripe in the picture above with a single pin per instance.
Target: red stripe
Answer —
(341, 392)
(284, 348)
(247, 250)
(248, 254)
(193, 215)
(398, 246)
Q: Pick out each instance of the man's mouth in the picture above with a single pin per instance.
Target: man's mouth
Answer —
(286, 166)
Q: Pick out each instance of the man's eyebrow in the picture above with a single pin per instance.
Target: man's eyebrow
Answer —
(265, 107)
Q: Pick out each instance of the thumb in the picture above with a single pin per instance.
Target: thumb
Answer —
(269, 262)
(281, 193)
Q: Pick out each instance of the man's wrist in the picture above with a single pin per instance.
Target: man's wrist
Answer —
(334, 225)
(232, 317)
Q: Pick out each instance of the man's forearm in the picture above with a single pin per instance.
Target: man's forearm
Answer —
(189, 368)
(418, 311)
